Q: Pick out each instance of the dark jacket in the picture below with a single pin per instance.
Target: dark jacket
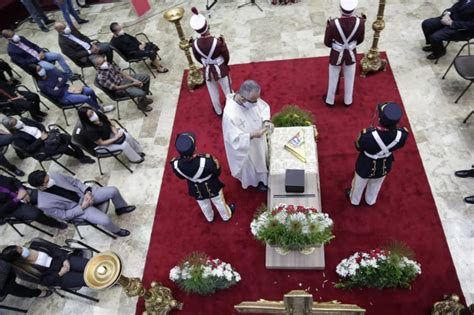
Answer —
(49, 276)
(7, 203)
(48, 86)
(21, 57)
(73, 50)
(199, 190)
(462, 14)
(366, 167)
(25, 141)
(7, 275)
(126, 44)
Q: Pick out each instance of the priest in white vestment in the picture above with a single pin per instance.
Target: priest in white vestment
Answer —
(244, 135)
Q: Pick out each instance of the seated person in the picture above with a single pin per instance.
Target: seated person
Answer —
(54, 266)
(131, 47)
(32, 137)
(54, 84)
(21, 100)
(100, 130)
(6, 68)
(448, 26)
(114, 79)
(5, 140)
(66, 198)
(8, 284)
(80, 48)
(23, 53)
(15, 202)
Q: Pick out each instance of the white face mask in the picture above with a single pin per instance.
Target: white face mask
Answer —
(19, 124)
(25, 252)
(42, 72)
(94, 117)
(121, 33)
(50, 183)
(67, 30)
(104, 66)
(16, 38)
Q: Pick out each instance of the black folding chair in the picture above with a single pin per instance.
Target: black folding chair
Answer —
(10, 308)
(21, 87)
(133, 60)
(468, 116)
(102, 152)
(103, 207)
(14, 221)
(118, 97)
(461, 36)
(464, 66)
(30, 274)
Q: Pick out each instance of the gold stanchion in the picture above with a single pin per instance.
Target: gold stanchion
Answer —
(371, 61)
(195, 77)
(105, 270)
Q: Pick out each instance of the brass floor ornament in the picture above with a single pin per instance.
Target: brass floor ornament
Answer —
(371, 62)
(298, 302)
(105, 270)
(195, 77)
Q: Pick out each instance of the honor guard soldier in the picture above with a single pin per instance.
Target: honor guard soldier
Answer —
(342, 35)
(202, 173)
(213, 54)
(376, 147)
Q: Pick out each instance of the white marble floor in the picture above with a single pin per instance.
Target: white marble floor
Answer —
(288, 32)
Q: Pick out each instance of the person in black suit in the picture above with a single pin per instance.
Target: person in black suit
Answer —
(15, 202)
(32, 137)
(80, 48)
(465, 174)
(201, 171)
(376, 147)
(131, 47)
(451, 25)
(6, 68)
(5, 140)
(8, 284)
(10, 98)
(53, 265)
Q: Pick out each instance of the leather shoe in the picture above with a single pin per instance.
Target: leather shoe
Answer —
(465, 173)
(347, 192)
(262, 187)
(434, 56)
(469, 199)
(327, 104)
(126, 209)
(45, 293)
(123, 233)
(19, 172)
(232, 208)
(427, 48)
(63, 226)
(86, 160)
(82, 21)
(44, 29)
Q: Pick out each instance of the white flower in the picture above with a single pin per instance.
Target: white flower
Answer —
(237, 276)
(175, 273)
(281, 217)
(228, 275)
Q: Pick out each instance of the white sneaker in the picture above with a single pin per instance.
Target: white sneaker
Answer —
(108, 108)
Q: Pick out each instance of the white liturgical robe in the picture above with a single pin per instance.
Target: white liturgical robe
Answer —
(247, 157)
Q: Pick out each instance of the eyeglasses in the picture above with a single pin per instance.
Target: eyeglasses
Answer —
(253, 102)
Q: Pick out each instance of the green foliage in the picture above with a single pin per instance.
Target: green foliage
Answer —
(293, 116)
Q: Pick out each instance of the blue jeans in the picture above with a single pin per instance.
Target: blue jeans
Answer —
(35, 11)
(52, 56)
(87, 96)
(67, 8)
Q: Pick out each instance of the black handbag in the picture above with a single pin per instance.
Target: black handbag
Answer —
(53, 141)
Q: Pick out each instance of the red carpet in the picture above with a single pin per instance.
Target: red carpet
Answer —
(405, 210)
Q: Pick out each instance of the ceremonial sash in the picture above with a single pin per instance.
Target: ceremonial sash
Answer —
(384, 149)
(346, 44)
(207, 60)
(195, 178)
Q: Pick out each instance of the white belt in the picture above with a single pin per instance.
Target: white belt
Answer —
(341, 47)
(384, 149)
(195, 178)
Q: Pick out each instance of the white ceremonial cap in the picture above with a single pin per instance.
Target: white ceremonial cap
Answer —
(198, 21)
(349, 5)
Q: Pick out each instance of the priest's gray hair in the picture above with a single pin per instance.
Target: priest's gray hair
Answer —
(8, 122)
(248, 87)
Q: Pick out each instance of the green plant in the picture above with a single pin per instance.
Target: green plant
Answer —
(293, 116)
(200, 274)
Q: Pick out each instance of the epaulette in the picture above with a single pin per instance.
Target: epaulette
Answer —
(174, 159)
(367, 130)
(406, 129)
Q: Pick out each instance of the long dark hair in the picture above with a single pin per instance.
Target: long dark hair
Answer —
(86, 122)
(10, 254)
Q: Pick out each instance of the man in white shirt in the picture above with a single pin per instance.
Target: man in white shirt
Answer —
(244, 135)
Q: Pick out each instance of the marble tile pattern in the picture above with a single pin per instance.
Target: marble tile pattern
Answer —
(280, 32)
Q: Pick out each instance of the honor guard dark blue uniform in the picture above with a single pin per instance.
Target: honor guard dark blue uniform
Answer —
(202, 174)
(376, 147)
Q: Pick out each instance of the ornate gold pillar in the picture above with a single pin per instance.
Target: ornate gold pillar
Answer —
(195, 77)
(371, 61)
(105, 270)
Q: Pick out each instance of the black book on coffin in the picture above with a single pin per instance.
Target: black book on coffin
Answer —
(294, 181)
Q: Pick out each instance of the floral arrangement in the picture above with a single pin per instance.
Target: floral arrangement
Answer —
(198, 273)
(379, 268)
(292, 227)
(293, 116)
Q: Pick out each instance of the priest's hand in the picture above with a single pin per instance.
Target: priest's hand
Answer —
(257, 133)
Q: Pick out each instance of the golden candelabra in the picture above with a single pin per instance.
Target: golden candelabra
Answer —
(371, 62)
(450, 305)
(105, 270)
(195, 77)
(298, 302)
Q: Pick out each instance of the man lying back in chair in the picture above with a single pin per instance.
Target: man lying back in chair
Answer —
(67, 198)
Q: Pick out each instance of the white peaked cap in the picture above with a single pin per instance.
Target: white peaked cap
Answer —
(349, 5)
(198, 21)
